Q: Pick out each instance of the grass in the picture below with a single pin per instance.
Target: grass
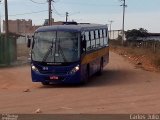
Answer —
(148, 58)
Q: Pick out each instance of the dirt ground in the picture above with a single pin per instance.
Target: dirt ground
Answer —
(122, 88)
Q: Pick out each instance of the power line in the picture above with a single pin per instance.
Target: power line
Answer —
(38, 2)
(56, 12)
(88, 4)
(62, 15)
(74, 13)
(56, 1)
(29, 13)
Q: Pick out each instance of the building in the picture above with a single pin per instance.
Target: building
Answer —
(46, 22)
(25, 27)
(114, 34)
(20, 26)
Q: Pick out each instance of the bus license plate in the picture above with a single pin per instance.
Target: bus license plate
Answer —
(54, 78)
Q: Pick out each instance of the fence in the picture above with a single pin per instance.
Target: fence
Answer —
(152, 44)
(8, 50)
(13, 51)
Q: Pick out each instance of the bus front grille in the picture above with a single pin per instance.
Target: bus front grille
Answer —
(54, 72)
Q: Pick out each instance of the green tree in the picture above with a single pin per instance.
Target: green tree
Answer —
(134, 33)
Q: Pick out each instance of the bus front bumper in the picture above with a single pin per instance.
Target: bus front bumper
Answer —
(56, 79)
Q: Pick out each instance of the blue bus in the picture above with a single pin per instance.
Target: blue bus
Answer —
(68, 53)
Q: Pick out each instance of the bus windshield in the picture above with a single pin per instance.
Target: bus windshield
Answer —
(55, 47)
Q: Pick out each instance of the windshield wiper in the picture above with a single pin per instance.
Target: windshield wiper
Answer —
(50, 49)
(48, 52)
(61, 51)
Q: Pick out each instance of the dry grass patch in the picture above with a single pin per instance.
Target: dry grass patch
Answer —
(143, 58)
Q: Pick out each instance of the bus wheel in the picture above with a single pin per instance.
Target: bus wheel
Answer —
(85, 81)
(45, 83)
(101, 68)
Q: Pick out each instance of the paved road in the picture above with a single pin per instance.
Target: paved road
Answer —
(121, 89)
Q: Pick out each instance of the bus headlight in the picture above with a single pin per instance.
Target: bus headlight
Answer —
(34, 68)
(74, 70)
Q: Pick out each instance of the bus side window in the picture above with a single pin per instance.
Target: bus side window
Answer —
(87, 37)
(97, 38)
(101, 38)
(92, 40)
(105, 37)
(83, 43)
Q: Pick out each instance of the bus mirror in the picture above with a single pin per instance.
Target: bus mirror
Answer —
(29, 43)
(33, 42)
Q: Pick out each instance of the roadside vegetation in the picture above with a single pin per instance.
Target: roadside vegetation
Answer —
(144, 54)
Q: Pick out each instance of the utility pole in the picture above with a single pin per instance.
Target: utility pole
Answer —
(6, 43)
(49, 12)
(67, 14)
(111, 21)
(124, 7)
(6, 20)
(0, 18)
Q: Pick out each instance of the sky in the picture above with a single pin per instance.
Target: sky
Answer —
(139, 13)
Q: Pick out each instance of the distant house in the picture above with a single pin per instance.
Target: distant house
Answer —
(46, 22)
(113, 34)
(20, 26)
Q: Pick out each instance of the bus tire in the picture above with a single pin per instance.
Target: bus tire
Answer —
(45, 83)
(85, 81)
(100, 68)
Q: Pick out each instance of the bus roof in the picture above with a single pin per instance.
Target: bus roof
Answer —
(72, 28)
